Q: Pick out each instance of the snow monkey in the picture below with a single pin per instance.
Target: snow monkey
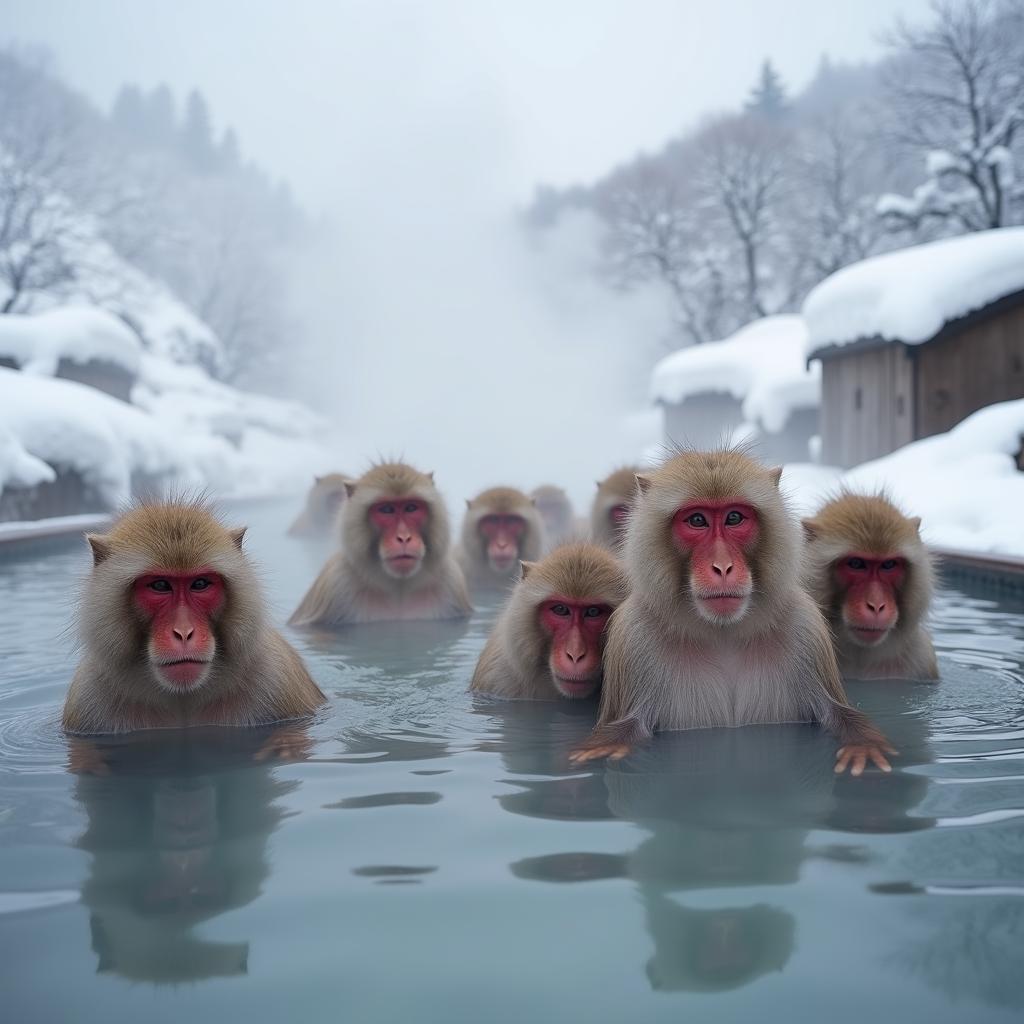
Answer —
(176, 633)
(323, 502)
(865, 565)
(556, 511)
(610, 510)
(548, 639)
(717, 630)
(395, 560)
(501, 528)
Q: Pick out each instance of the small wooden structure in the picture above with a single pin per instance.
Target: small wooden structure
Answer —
(880, 394)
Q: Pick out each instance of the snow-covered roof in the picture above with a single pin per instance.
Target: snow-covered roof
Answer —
(80, 334)
(763, 365)
(908, 295)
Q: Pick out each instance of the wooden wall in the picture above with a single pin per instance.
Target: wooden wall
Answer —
(867, 404)
(970, 369)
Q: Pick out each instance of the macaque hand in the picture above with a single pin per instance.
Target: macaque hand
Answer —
(857, 755)
(613, 751)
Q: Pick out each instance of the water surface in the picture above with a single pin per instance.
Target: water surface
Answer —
(436, 859)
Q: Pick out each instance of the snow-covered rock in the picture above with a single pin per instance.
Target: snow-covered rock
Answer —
(763, 365)
(909, 294)
(79, 334)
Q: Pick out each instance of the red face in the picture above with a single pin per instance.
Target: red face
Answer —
(399, 523)
(577, 630)
(870, 586)
(179, 610)
(502, 536)
(717, 536)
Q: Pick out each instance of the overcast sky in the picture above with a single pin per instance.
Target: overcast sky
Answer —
(556, 91)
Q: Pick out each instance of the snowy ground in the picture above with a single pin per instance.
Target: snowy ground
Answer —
(965, 484)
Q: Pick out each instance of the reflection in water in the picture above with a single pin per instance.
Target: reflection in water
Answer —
(177, 832)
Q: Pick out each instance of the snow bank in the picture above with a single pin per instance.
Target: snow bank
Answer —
(909, 294)
(65, 424)
(80, 334)
(763, 365)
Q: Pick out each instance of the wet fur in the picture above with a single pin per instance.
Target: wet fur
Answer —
(353, 586)
(514, 662)
(870, 524)
(666, 668)
(472, 550)
(617, 488)
(256, 677)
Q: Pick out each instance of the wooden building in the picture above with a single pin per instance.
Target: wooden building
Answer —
(878, 395)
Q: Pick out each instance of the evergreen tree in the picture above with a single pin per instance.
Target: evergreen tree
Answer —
(160, 115)
(228, 157)
(197, 134)
(768, 97)
(128, 113)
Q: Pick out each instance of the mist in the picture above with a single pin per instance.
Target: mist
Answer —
(447, 335)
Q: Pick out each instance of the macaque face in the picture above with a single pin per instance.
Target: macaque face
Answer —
(577, 632)
(399, 523)
(502, 535)
(717, 536)
(870, 587)
(179, 610)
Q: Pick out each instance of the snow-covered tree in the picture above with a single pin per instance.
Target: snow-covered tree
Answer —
(957, 88)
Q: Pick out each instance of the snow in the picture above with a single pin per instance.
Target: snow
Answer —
(975, 513)
(908, 295)
(80, 334)
(763, 365)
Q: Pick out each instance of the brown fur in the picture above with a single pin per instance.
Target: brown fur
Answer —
(256, 677)
(353, 586)
(472, 549)
(666, 668)
(618, 488)
(514, 662)
(557, 514)
(871, 524)
(323, 504)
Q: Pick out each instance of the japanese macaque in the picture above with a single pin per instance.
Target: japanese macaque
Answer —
(865, 565)
(323, 503)
(717, 630)
(548, 640)
(556, 511)
(501, 528)
(176, 632)
(610, 510)
(395, 560)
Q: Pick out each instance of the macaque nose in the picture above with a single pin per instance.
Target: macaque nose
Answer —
(184, 633)
(878, 606)
(578, 656)
(722, 568)
(403, 536)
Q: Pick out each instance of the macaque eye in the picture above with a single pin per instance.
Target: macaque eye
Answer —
(856, 563)
(387, 510)
(734, 518)
(160, 586)
(593, 612)
(411, 507)
(560, 609)
(201, 583)
(889, 564)
(698, 520)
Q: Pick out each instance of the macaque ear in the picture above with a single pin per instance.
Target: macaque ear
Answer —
(915, 522)
(775, 475)
(469, 504)
(525, 568)
(642, 483)
(350, 488)
(100, 547)
(810, 529)
(236, 536)
(430, 476)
